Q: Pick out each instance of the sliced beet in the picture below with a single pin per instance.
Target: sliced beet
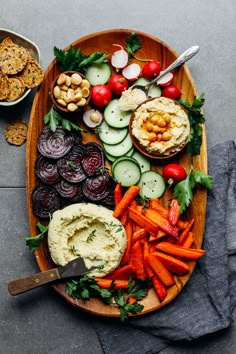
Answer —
(92, 162)
(70, 166)
(79, 196)
(46, 170)
(45, 201)
(55, 145)
(66, 189)
(109, 199)
(97, 187)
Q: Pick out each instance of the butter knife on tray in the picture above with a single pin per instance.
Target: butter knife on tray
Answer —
(74, 268)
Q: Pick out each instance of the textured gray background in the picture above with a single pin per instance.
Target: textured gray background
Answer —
(40, 321)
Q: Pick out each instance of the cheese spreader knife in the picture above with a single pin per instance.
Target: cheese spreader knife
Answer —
(71, 269)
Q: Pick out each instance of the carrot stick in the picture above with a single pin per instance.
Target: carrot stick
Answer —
(174, 212)
(189, 240)
(117, 193)
(150, 226)
(139, 234)
(159, 288)
(172, 264)
(185, 232)
(124, 217)
(137, 260)
(160, 234)
(162, 222)
(124, 272)
(165, 212)
(190, 253)
(106, 283)
(153, 202)
(139, 209)
(129, 195)
(160, 270)
(129, 236)
(147, 267)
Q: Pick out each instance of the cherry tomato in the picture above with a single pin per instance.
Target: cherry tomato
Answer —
(118, 83)
(100, 95)
(173, 173)
(151, 70)
(171, 91)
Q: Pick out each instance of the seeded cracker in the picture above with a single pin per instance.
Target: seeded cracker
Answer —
(4, 86)
(16, 132)
(13, 58)
(17, 88)
(32, 74)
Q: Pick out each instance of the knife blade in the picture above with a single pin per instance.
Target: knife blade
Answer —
(74, 268)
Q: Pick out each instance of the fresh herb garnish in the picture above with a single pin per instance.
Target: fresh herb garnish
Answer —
(53, 119)
(91, 236)
(132, 44)
(75, 60)
(195, 118)
(85, 288)
(34, 241)
(183, 190)
(71, 165)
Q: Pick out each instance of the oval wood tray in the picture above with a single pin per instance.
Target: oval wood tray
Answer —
(155, 49)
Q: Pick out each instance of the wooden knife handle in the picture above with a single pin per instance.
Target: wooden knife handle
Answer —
(21, 285)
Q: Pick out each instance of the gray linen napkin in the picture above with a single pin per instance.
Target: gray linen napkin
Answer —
(206, 303)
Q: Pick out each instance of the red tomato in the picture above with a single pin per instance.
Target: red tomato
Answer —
(151, 70)
(118, 83)
(171, 91)
(100, 95)
(173, 173)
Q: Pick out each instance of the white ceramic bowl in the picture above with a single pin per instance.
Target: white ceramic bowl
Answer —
(28, 44)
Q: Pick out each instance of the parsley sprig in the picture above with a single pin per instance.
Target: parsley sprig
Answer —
(183, 190)
(132, 44)
(34, 241)
(53, 119)
(195, 118)
(76, 60)
(85, 288)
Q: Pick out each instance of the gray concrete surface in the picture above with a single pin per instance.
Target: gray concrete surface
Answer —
(40, 321)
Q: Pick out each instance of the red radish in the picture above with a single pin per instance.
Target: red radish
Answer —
(92, 118)
(151, 70)
(171, 91)
(100, 95)
(120, 58)
(118, 83)
(165, 80)
(132, 71)
(173, 173)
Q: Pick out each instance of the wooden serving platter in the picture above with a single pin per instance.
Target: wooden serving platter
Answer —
(152, 48)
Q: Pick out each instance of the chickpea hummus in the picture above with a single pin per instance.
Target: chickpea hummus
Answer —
(161, 126)
(89, 231)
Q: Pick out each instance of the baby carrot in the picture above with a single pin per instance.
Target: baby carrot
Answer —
(129, 195)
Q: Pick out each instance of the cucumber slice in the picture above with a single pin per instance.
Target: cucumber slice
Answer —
(98, 73)
(121, 158)
(152, 185)
(114, 116)
(109, 157)
(119, 149)
(127, 172)
(154, 91)
(143, 161)
(109, 135)
(130, 152)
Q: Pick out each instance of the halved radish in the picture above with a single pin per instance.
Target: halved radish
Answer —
(132, 71)
(165, 80)
(120, 58)
(92, 118)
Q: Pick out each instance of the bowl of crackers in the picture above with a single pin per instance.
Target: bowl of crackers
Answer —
(20, 70)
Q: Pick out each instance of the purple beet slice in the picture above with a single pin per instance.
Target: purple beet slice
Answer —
(45, 201)
(66, 189)
(70, 166)
(92, 162)
(46, 170)
(55, 145)
(97, 187)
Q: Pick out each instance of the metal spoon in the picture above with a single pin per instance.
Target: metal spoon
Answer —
(185, 56)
